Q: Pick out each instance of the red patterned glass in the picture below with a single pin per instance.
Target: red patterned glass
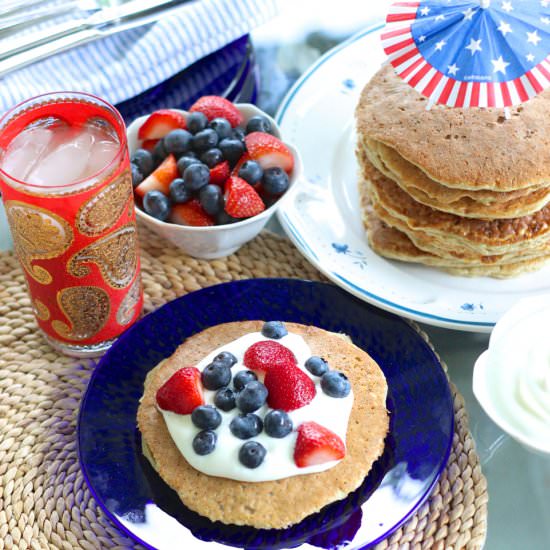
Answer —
(72, 217)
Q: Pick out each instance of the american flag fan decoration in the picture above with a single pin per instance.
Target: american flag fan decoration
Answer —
(484, 53)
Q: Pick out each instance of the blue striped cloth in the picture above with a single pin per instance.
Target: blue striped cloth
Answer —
(123, 65)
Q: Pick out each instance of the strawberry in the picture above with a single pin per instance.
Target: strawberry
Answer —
(149, 144)
(160, 179)
(268, 354)
(213, 106)
(190, 213)
(317, 445)
(289, 388)
(182, 392)
(220, 173)
(161, 123)
(269, 151)
(241, 200)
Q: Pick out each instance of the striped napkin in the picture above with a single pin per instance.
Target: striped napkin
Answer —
(123, 65)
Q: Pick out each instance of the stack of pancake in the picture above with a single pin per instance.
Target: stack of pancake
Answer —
(464, 190)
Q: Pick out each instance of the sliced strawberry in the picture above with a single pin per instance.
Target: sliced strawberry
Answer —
(160, 179)
(267, 354)
(213, 106)
(240, 162)
(190, 213)
(182, 392)
(161, 123)
(220, 173)
(149, 144)
(241, 200)
(269, 151)
(317, 445)
(289, 388)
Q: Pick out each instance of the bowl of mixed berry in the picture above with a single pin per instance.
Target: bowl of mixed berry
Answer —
(209, 179)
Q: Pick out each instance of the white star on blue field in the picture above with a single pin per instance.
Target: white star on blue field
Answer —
(473, 44)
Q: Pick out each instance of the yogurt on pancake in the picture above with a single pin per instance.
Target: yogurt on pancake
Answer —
(329, 412)
(512, 378)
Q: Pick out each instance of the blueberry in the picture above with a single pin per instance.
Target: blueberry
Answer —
(275, 181)
(239, 133)
(156, 204)
(225, 399)
(186, 161)
(196, 122)
(242, 378)
(215, 376)
(206, 417)
(212, 157)
(335, 384)
(258, 124)
(137, 176)
(144, 161)
(245, 426)
(251, 172)
(251, 397)
(232, 149)
(277, 424)
(196, 176)
(177, 142)
(316, 365)
(226, 358)
(274, 329)
(179, 192)
(269, 200)
(211, 199)
(252, 454)
(205, 442)
(222, 127)
(204, 140)
(223, 218)
(159, 152)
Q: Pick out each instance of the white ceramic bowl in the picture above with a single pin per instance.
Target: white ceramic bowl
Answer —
(511, 378)
(218, 240)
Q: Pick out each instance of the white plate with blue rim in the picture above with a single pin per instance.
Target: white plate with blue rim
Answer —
(323, 219)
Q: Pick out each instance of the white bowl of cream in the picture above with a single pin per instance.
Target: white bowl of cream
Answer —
(512, 377)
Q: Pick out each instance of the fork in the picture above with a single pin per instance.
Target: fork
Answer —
(17, 15)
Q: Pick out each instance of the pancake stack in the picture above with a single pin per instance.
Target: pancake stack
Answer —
(464, 190)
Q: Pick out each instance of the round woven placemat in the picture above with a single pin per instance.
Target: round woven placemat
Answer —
(44, 501)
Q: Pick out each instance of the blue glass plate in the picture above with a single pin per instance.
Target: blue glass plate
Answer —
(136, 499)
(230, 72)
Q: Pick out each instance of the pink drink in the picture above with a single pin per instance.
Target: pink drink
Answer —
(52, 154)
(67, 189)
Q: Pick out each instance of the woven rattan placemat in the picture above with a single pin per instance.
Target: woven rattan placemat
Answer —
(44, 502)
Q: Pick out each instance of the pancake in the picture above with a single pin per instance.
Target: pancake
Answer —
(481, 204)
(395, 245)
(459, 148)
(270, 504)
(426, 243)
(458, 233)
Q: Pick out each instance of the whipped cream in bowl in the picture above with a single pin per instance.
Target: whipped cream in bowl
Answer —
(512, 377)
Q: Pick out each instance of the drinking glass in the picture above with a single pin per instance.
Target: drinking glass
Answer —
(76, 240)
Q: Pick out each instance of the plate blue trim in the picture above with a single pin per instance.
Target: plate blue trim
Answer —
(403, 308)
(299, 239)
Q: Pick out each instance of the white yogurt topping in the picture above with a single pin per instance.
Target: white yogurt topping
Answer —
(512, 377)
(330, 412)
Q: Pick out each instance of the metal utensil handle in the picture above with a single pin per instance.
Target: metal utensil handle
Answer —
(37, 39)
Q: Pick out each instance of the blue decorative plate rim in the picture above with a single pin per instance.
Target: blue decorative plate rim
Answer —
(239, 285)
(307, 250)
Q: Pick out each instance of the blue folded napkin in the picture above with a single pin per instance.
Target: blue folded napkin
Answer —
(123, 65)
